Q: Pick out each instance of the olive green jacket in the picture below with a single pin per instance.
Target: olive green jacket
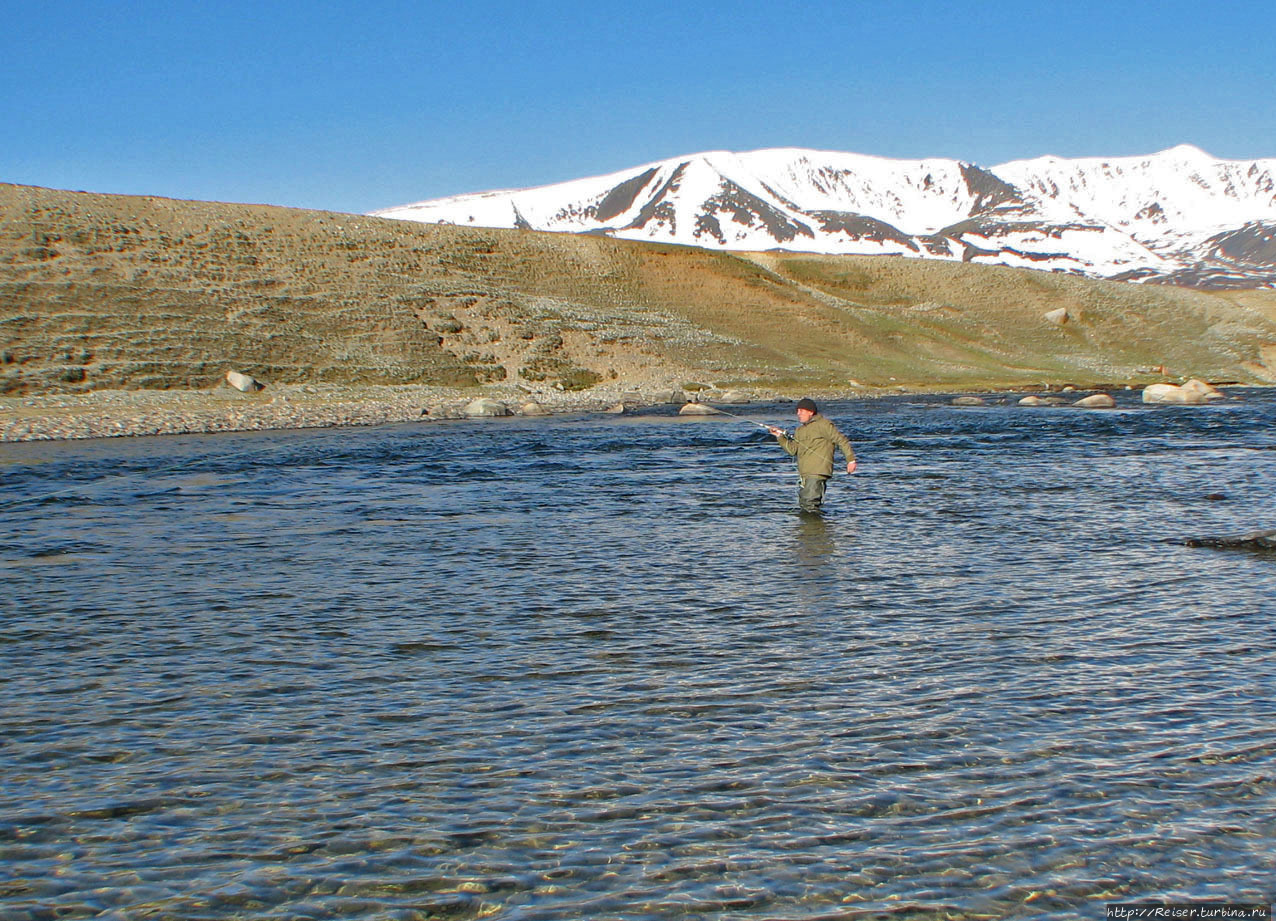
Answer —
(813, 444)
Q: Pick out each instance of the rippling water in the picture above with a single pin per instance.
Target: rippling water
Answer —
(599, 667)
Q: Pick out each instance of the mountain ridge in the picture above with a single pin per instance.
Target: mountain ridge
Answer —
(1179, 216)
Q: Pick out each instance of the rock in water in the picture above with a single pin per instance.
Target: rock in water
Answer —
(486, 407)
(532, 408)
(1096, 401)
(616, 409)
(1170, 393)
(1208, 391)
(697, 409)
(242, 382)
(970, 401)
(1258, 540)
(1032, 401)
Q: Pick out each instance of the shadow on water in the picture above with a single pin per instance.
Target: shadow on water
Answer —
(603, 668)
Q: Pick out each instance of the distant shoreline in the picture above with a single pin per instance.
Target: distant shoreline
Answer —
(138, 413)
(134, 413)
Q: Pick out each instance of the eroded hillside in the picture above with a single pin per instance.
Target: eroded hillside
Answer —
(101, 291)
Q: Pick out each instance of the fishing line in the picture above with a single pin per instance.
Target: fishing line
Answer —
(743, 419)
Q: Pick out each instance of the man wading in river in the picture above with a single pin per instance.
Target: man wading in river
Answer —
(813, 444)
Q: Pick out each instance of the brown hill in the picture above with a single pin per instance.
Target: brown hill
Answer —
(102, 291)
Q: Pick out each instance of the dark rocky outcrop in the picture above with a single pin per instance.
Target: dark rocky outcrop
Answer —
(1264, 541)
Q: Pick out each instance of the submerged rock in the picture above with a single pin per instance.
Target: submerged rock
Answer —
(970, 401)
(1257, 540)
(697, 409)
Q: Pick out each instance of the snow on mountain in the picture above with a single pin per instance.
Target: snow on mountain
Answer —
(1179, 215)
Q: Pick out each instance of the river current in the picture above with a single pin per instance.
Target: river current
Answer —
(600, 667)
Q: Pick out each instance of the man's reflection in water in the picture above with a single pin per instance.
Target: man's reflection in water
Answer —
(813, 538)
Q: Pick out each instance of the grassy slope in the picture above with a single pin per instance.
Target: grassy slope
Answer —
(113, 291)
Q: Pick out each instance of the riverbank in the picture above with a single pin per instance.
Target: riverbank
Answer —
(123, 413)
(130, 413)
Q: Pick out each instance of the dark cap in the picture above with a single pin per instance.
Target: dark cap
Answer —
(806, 404)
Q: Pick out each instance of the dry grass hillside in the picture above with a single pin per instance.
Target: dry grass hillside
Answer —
(100, 291)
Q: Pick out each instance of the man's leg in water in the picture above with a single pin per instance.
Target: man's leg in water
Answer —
(811, 493)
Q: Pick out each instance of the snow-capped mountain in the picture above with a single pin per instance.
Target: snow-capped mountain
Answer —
(1177, 216)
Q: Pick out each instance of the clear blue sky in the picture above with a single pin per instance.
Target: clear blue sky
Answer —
(361, 105)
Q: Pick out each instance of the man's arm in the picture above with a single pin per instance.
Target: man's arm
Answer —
(787, 443)
(847, 450)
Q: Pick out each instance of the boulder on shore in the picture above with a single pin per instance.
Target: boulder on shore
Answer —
(731, 396)
(697, 409)
(1096, 401)
(484, 406)
(243, 382)
(532, 408)
(1058, 316)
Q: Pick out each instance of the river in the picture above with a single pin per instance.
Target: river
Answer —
(599, 667)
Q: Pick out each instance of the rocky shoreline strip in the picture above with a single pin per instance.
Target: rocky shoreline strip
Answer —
(119, 413)
(129, 413)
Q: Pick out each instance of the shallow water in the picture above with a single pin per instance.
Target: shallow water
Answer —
(599, 667)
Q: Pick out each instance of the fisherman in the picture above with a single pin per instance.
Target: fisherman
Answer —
(813, 444)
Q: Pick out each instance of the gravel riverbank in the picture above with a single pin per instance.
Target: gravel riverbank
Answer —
(117, 413)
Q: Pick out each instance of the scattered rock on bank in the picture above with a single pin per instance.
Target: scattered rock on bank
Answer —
(243, 382)
(484, 406)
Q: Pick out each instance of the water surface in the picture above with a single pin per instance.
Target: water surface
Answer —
(599, 667)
